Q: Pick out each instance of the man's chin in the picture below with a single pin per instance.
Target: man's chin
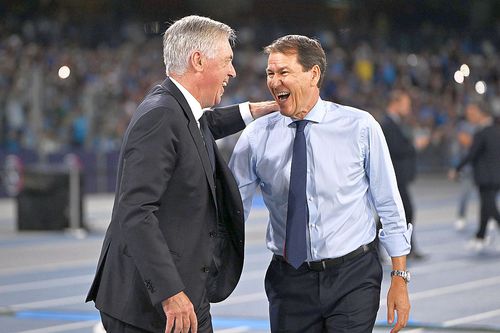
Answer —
(218, 99)
(286, 112)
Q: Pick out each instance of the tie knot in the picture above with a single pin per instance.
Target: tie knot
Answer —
(301, 124)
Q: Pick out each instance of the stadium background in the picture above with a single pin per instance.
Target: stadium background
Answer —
(113, 52)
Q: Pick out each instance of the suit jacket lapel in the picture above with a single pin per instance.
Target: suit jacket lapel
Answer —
(195, 132)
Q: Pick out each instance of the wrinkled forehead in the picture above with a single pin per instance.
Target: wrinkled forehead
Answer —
(278, 60)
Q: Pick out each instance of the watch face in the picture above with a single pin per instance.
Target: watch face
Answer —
(408, 276)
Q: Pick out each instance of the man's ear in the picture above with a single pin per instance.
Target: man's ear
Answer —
(315, 75)
(197, 61)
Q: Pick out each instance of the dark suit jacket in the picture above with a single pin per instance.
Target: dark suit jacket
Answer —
(174, 227)
(403, 153)
(484, 155)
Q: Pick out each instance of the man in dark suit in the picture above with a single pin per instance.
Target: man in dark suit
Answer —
(402, 148)
(176, 237)
(484, 155)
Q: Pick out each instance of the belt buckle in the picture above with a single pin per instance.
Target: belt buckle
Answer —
(313, 268)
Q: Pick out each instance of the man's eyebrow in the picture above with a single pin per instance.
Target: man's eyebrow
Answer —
(277, 69)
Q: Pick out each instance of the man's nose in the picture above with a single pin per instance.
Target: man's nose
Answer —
(274, 81)
(232, 71)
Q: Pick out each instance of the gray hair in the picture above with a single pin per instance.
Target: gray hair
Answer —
(190, 34)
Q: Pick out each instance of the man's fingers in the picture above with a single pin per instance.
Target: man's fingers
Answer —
(180, 314)
(390, 313)
(396, 328)
(402, 321)
(186, 324)
(170, 324)
(194, 322)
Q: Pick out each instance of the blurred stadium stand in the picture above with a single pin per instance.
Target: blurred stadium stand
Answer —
(113, 52)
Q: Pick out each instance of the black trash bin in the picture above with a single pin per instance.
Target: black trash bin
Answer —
(44, 200)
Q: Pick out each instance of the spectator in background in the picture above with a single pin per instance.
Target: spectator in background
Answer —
(465, 130)
(484, 156)
(110, 69)
(403, 147)
(79, 130)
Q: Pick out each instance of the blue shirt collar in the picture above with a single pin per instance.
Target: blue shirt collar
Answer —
(316, 115)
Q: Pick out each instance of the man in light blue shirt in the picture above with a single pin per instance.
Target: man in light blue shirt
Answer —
(325, 275)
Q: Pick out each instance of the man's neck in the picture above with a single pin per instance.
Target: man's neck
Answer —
(188, 83)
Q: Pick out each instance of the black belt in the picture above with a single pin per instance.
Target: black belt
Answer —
(323, 264)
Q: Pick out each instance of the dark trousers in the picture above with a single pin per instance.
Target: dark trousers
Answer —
(488, 195)
(341, 299)
(113, 325)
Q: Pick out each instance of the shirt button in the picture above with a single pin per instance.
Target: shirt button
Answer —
(310, 199)
(205, 269)
(212, 234)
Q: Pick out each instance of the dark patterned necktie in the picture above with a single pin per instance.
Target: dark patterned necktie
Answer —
(209, 141)
(297, 214)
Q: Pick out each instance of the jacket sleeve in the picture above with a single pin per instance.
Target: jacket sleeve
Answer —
(224, 121)
(149, 158)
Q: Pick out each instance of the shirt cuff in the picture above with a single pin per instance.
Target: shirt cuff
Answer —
(246, 115)
(396, 245)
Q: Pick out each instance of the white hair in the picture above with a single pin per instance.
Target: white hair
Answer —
(190, 34)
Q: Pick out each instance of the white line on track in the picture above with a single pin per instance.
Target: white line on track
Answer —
(63, 328)
(239, 329)
(455, 288)
(450, 289)
(47, 267)
(80, 299)
(472, 318)
(43, 284)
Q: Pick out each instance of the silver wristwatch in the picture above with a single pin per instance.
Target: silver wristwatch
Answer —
(404, 274)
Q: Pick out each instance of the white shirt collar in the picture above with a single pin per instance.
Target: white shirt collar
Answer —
(192, 102)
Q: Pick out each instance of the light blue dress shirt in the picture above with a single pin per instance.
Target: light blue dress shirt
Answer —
(349, 176)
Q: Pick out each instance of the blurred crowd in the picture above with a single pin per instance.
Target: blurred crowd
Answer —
(43, 110)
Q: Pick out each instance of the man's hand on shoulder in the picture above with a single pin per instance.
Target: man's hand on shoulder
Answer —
(181, 317)
(259, 109)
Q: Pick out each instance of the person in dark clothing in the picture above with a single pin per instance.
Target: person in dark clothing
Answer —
(403, 151)
(484, 155)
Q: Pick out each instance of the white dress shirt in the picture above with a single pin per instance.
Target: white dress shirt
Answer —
(349, 174)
